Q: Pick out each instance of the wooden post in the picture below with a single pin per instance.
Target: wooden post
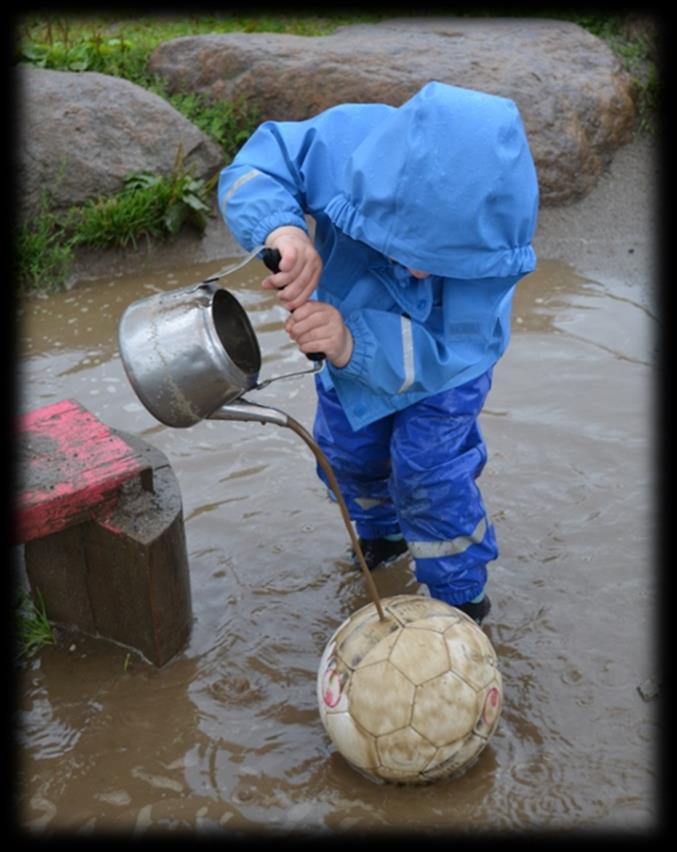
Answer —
(100, 514)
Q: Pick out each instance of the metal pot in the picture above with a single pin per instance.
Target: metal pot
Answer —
(188, 352)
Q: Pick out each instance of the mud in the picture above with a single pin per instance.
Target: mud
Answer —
(227, 737)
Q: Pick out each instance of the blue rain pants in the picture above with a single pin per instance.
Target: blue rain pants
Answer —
(415, 472)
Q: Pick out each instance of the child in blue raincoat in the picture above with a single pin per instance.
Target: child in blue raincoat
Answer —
(424, 219)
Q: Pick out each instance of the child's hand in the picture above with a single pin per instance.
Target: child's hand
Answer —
(300, 266)
(319, 327)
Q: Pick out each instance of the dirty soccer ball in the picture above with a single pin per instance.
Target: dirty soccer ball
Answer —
(413, 698)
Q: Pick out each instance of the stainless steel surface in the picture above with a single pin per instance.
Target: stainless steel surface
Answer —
(317, 365)
(245, 410)
(187, 352)
(234, 267)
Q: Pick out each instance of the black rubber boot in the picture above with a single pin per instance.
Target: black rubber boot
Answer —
(477, 611)
(380, 551)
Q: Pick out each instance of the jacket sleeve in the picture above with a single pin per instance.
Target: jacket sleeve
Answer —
(289, 168)
(263, 188)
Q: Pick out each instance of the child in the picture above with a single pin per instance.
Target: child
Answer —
(424, 216)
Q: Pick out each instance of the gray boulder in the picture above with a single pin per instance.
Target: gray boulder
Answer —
(80, 134)
(575, 100)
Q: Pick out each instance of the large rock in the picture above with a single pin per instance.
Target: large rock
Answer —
(80, 134)
(575, 99)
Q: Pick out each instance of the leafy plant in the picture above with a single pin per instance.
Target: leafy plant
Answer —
(92, 54)
(230, 123)
(33, 627)
(150, 205)
(43, 253)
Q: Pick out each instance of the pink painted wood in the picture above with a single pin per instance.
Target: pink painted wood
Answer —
(71, 466)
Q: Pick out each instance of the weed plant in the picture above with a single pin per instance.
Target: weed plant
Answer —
(149, 206)
(33, 629)
(229, 123)
(43, 254)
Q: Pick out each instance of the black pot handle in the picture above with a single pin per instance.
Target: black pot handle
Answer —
(271, 258)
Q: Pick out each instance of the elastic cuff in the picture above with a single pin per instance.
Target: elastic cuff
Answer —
(363, 348)
(276, 220)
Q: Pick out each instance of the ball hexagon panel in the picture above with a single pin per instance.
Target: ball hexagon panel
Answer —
(362, 636)
(381, 652)
(420, 654)
(470, 655)
(355, 745)
(404, 750)
(445, 709)
(408, 609)
(380, 698)
(436, 623)
(455, 758)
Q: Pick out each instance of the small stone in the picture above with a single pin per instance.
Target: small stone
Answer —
(649, 688)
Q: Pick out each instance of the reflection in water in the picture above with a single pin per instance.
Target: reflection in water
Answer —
(227, 736)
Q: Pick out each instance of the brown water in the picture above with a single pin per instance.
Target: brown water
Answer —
(227, 737)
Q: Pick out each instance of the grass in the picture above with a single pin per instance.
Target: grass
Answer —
(33, 628)
(156, 207)
(43, 254)
(149, 206)
(122, 47)
(229, 123)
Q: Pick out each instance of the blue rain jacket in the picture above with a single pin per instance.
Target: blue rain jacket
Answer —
(444, 184)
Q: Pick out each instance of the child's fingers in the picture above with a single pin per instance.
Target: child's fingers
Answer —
(311, 309)
(289, 257)
(300, 290)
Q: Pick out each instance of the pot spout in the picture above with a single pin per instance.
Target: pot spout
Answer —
(242, 409)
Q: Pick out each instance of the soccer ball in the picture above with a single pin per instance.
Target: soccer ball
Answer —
(412, 698)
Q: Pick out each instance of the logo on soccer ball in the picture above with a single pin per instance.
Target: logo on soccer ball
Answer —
(492, 705)
(331, 686)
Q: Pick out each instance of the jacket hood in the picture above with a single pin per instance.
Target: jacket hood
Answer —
(446, 184)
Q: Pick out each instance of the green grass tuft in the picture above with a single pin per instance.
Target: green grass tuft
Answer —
(33, 628)
(149, 206)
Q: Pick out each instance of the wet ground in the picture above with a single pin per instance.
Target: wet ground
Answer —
(227, 737)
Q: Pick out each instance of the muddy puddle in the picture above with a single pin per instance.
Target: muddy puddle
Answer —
(227, 737)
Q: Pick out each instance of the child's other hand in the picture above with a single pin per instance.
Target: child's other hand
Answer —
(319, 327)
(300, 266)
